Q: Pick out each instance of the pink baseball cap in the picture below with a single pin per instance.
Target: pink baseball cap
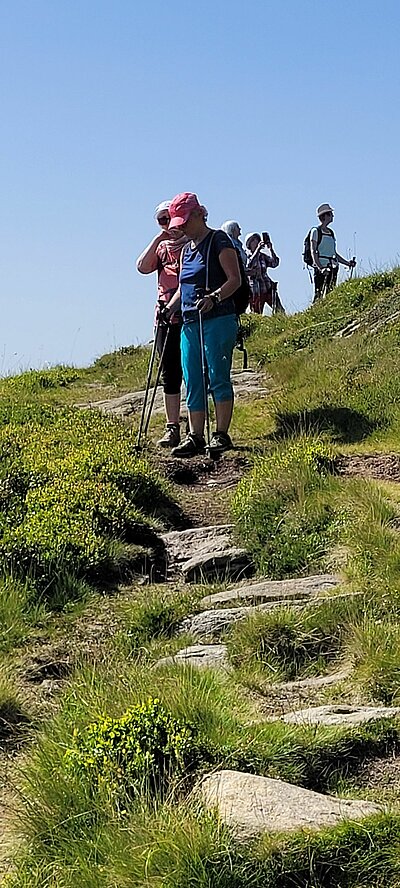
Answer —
(181, 207)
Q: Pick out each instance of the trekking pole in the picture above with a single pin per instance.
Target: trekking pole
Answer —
(204, 381)
(274, 297)
(241, 346)
(157, 379)
(148, 381)
(324, 290)
(352, 269)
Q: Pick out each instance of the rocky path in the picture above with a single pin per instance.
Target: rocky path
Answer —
(246, 383)
(209, 552)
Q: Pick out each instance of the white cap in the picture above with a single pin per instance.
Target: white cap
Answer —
(162, 207)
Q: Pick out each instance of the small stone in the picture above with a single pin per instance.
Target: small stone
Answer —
(203, 656)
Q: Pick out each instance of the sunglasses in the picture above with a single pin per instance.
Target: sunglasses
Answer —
(163, 220)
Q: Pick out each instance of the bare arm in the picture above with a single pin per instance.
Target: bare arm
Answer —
(315, 252)
(350, 263)
(148, 260)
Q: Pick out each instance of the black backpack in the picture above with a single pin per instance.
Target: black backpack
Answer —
(241, 296)
(307, 255)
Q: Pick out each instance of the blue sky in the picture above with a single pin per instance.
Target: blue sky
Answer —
(264, 109)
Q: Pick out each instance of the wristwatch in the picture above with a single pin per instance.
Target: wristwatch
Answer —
(216, 297)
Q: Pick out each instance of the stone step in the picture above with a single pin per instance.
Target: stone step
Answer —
(212, 623)
(312, 682)
(203, 656)
(272, 590)
(340, 714)
(251, 805)
(205, 554)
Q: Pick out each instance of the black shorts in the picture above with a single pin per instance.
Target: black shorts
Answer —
(324, 281)
(171, 373)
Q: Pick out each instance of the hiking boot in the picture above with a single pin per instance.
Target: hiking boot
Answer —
(193, 445)
(220, 441)
(172, 435)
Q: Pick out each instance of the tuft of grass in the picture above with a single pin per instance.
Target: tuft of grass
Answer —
(154, 617)
(374, 647)
(19, 611)
(13, 713)
(287, 643)
(283, 508)
(71, 488)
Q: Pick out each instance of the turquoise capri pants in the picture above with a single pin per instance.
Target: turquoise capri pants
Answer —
(219, 341)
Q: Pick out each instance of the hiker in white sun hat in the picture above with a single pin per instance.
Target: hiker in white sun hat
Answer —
(325, 258)
(162, 255)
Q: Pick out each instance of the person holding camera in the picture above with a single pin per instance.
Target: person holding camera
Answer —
(162, 255)
(209, 276)
(325, 258)
(260, 257)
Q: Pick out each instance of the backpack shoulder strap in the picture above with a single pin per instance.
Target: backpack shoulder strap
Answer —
(207, 259)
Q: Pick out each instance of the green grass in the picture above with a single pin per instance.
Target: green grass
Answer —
(74, 829)
(284, 508)
(78, 507)
(111, 374)
(73, 494)
(288, 643)
(14, 716)
(180, 848)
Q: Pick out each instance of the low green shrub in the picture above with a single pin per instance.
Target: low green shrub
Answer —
(33, 381)
(140, 751)
(69, 489)
(283, 508)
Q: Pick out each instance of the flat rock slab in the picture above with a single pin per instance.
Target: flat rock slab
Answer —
(252, 805)
(248, 383)
(214, 622)
(312, 681)
(205, 553)
(270, 590)
(340, 714)
(203, 656)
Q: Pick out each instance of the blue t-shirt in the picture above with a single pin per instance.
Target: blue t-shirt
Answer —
(193, 276)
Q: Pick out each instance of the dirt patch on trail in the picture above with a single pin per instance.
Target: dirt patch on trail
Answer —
(378, 466)
(379, 779)
(204, 487)
(207, 474)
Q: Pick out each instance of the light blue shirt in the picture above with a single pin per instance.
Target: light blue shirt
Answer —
(326, 248)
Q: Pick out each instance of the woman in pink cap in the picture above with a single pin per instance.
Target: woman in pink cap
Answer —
(162, 255)
(210, 259)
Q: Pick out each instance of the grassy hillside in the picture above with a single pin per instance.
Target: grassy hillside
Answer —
(100, 770)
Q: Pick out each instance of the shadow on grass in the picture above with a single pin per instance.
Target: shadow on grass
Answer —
(13, 721)
(346, 426)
